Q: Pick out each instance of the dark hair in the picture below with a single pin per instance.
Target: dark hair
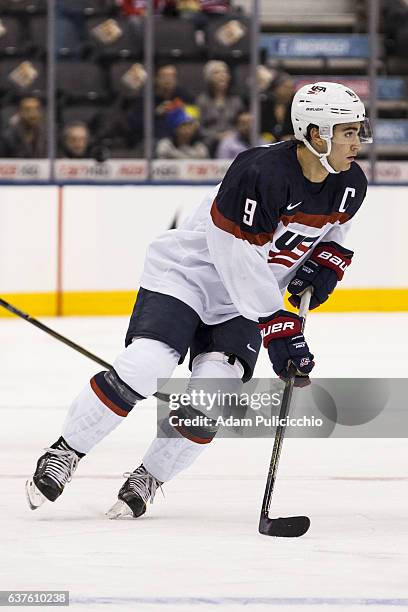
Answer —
(244, 111)
(308, 133)
(164, 64)
(74, 124)
(309, 130)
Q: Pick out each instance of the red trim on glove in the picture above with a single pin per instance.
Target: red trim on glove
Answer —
(280, 327)
(330, 257)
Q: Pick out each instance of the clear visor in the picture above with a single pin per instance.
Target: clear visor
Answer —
(353, 133)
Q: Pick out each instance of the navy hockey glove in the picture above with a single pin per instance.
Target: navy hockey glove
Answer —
(282, 336)
(324, 268)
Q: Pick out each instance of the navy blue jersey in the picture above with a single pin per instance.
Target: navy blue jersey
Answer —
(272, 177)
(239, 250)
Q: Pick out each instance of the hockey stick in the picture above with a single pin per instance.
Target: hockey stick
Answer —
(293, 526)
(23, 315)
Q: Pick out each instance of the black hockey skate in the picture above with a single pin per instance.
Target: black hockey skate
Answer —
(139, 488)
(54, 469)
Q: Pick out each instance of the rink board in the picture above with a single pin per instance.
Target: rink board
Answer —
(80, 249)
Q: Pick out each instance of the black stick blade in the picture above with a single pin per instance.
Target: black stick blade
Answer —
(290, 527)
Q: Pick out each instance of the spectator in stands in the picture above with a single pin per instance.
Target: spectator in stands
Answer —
(138, 8)
(185, 142)
(200, 12)
(239, 139)
(218, 106)
(209, 7)
(215, 7)
(136, 11)
(190, 8)
(25, 136)
(76, 141)
(73, 12)
(264, 77)
(167, 96)
(275, 102)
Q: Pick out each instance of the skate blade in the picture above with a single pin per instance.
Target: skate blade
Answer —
(119, 510)
(35, 498)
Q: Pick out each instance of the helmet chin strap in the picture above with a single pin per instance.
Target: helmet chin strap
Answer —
(322, 156)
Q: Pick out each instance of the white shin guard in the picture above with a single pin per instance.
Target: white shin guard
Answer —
(168, 456)
(88, 421)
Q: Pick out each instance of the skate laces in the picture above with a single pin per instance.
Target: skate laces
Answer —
(61, 465)
(143, 483)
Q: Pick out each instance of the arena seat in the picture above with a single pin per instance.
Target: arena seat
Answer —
(81, 81)
(21, 77)
(6, 113)
(228, 38)
(190, 76)
(240, 76)
(88, 113)
(123, 79)
(23, 7)
(397, 65)
(114, 38)
(175, 38)
(68, 42)
(12, 40)
(89, 8)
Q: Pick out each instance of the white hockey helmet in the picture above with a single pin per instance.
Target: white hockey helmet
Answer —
(325, 105)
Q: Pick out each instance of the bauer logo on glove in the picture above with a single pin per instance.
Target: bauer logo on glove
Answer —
(337, 262)
(322, 271)
(278, 328)
(282, 336)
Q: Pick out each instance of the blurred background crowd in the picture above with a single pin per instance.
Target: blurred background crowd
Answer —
(202, 77)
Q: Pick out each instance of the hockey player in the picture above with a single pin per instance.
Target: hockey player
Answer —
(278, 220)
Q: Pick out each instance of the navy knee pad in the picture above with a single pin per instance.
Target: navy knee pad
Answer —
(193, 424)
(114, 393)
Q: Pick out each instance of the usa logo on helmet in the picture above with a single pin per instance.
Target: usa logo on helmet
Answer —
(316, 89)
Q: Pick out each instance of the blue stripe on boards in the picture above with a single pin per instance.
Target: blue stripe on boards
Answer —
(241, 601)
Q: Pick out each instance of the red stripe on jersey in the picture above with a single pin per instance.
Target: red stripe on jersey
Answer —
(284, 262)
(315, 220)
(293, 253)
(105, 400)
(275, 256)
(232, 228)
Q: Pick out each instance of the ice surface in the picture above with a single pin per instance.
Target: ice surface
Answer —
(198, 549)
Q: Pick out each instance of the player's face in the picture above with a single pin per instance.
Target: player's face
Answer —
(345, 145)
